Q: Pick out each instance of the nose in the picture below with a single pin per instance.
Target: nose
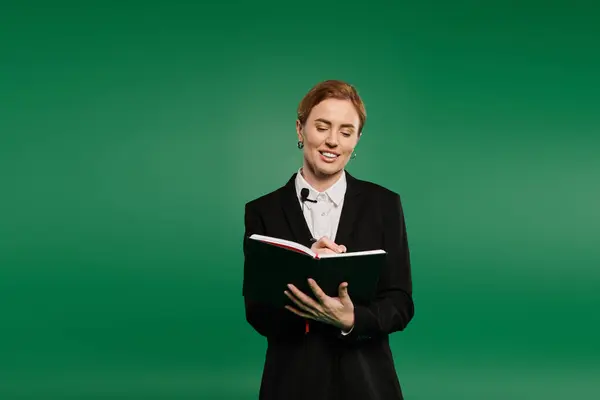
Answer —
(332, 138)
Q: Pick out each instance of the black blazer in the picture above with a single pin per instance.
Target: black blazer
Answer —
(324, 364)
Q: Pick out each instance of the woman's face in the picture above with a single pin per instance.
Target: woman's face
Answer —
(329, 136)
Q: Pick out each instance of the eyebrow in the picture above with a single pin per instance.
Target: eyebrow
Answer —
(329, 123)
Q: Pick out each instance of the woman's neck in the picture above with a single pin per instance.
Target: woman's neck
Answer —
(319, 183)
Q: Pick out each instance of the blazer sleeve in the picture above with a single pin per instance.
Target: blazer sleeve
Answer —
(271, 322)
(393, 307)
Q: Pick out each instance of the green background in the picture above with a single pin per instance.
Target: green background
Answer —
(132, 134)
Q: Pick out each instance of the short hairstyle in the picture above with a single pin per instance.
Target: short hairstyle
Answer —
(332, 89)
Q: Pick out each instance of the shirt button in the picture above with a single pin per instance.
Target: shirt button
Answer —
(323, 214)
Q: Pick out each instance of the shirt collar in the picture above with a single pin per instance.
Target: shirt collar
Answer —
(336, 192)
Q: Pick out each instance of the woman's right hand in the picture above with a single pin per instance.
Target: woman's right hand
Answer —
(326, 245)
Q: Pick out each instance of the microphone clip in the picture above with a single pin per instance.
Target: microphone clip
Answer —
(304, 196)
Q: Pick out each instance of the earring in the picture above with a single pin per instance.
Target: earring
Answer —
(353, 156)
(300, 144)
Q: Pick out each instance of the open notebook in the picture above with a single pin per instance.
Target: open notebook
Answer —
(297, 247)
(271, 263)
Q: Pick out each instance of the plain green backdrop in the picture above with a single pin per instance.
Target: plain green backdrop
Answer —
(132, 134)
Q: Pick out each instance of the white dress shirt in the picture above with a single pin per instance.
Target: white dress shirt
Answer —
(323, 217)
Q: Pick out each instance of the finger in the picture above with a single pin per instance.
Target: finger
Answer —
(299, 313)
(304, 298)
(343, 248)
(320, 247)
(326, 250)
(300, 305)
(319, 293)
(326, 242)
(343, 294)
(343, 290)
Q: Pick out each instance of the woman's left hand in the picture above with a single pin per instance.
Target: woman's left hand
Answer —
(336, 311)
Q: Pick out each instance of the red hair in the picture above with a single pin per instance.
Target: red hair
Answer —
(332, 89)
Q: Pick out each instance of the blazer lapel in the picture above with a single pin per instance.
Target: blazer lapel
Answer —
(352, 204)
(293, 213)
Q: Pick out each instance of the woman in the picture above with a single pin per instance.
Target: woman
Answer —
(330, 348)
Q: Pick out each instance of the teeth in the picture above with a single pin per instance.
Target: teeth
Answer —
(329, 155)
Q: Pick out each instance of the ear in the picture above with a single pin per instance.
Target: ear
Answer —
(299, 130)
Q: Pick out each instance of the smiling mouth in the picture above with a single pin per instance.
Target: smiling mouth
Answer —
(329, 155)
